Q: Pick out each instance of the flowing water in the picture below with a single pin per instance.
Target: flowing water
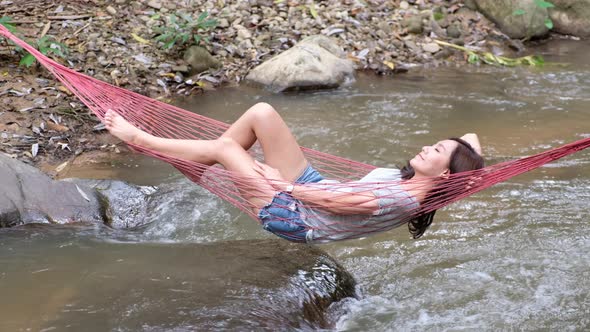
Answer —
(513, 257)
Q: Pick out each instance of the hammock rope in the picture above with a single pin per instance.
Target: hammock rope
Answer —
(164, 120)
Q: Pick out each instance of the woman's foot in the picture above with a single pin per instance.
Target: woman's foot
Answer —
(120, 128)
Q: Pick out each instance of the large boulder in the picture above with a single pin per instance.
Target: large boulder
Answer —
(256, 285)
(529, 23)
(316, 62)
(29, 196)
(571, 17)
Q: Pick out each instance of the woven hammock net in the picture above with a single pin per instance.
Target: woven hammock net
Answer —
(164, 120)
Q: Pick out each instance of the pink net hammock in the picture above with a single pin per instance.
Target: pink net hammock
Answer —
(164, 120)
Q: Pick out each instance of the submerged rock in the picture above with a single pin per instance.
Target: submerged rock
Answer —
(317, 62)
(250, 285)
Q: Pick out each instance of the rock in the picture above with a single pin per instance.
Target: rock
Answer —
(243, 33)
(404, 5)
(126, 204)
(111, 10)
(431, 47)
(223, 23)
(316, 62)
(200, 59)
(253, 285)
(530, 24)
(454, 30)
(180, 68)
(412, 46)
(571, 17)
(156, 4)
(29, 196)
(413, 24)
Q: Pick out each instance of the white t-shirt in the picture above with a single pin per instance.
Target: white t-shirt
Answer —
(395, 208)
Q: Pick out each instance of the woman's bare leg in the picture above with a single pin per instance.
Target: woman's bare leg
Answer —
(224, 150)
(261, 122)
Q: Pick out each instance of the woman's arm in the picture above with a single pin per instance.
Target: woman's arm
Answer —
(332, 201)
(336, 202)
(473, 140)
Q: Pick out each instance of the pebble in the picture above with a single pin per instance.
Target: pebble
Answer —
(154, 4)
(431, 47)
(111, 10)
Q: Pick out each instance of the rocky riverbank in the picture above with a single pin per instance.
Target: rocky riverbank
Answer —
(115, 41)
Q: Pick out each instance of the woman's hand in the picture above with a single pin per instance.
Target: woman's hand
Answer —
(274, 177)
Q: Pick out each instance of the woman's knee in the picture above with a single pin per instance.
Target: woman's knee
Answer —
(264, 112)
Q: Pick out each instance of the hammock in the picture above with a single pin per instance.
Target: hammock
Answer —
(164, 120)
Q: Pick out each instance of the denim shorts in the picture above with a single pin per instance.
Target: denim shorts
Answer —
(282, 217)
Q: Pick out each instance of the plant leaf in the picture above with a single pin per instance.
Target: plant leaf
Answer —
(28, 60)
(313, 11)
(544, 4)
(139, 39)
(519, 12)
(473, 58)
(549, 23)
(170, 44)
(389, 64)
(202, 17)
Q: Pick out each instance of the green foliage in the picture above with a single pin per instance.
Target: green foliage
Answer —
(46, 45)
(519, 12)
(5, 21)
(182, 29)
(475, 57)
(541, 4)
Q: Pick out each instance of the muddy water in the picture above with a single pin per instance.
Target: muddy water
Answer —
(514, 256)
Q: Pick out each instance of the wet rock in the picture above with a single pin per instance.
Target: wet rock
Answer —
(530, 24)
(29, 196)
(200, 59)
(571, 17)
(317, 62)
(125, 205)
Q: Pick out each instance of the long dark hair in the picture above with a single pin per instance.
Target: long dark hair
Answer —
(463, 158)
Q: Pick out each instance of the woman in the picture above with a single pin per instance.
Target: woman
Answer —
(292, 199)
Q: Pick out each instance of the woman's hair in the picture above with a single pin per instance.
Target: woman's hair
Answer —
(463, 158)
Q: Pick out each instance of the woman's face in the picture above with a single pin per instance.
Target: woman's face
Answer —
(434, 160)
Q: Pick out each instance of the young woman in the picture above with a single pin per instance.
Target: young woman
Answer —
(292, 200)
